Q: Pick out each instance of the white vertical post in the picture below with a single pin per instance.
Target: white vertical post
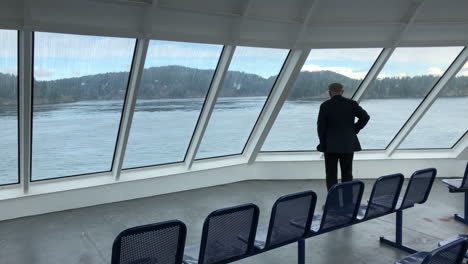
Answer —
(407, 20)
(25, 106)
(308, 14)
(460, 149)
(210, 102)
(428, 101)
(129, 106)
(283, 85)
(373, 73)
(237, 25)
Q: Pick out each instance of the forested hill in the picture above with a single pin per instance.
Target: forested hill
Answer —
(171, 82)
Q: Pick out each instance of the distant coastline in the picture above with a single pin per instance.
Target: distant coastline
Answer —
(170, 82)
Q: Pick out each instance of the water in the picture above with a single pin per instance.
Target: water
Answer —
(77, 138)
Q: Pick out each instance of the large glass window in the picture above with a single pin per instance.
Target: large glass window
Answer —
(248, 83)
(295, 128)
(174, 84)
(9, 106)
(79, 89)
(447, 119)
(405, 80)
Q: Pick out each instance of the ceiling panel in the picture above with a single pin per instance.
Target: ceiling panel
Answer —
(217, 6)
(335, 11)
(292, 10)
(436, 10)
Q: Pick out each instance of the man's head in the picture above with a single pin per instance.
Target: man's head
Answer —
(335, 89)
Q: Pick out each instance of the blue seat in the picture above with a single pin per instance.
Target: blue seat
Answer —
(383, 198)
(451, 253)
(222, 236)
(451, 239)
(161, 243)
(341, 207)
(419, 188)
(286, 210)
(460, 186)
(417, 192)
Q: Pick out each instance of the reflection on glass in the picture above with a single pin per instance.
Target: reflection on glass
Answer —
(447, 119)
(175, 81)
(9, 106)
(296, 125)
(79, 89)
(405, 80)
(248, 82)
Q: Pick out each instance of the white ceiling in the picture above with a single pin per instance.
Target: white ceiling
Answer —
(274, 23)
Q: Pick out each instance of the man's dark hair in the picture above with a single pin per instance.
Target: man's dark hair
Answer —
(335, 87)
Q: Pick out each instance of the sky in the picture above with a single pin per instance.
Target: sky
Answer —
(58, 56)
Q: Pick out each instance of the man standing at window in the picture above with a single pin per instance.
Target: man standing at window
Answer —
(337, 132)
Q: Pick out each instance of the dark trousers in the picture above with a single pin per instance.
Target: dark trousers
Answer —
(331, 167)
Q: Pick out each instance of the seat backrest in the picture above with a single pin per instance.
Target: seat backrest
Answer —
(223, 233)
(384, 196)
(156, 243)
(286, 210)
(419, 187)
(452, 253)
(465, 178)
(342, 205)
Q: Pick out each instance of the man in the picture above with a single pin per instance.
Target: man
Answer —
(337, 132)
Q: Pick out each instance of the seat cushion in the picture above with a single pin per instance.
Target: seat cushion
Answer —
(260, 237)
(145, 261)
(316, 222)
(455, 183)
(413, 259)
(191, 254)
(362, 211)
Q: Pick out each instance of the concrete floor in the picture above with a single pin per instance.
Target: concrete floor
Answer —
(85, 235)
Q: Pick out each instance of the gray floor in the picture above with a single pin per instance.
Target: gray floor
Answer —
(86, 235)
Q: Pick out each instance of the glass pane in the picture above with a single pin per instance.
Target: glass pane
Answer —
(79, 90)
(400, 87)
(9, 106)
(175, 81)
(248, 83)
(446, 121)
(296, 125)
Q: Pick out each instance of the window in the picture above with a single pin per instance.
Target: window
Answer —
(405, 80)
(9, 106)
(79, 89)
(446, 121)
(295, 128)
(174, 84)
(248, 83)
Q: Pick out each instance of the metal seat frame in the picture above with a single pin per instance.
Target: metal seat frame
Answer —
(406, 203)
(462, 189)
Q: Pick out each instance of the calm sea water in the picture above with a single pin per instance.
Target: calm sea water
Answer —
(77, 138)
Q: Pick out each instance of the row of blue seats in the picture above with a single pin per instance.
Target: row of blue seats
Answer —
(454, 249)
(232, 234)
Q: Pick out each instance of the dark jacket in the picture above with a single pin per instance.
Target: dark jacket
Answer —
(335, 125)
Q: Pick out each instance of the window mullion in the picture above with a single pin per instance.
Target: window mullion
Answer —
(25, 106)
(129, 106)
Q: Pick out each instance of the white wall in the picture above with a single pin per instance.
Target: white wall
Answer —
(54, 196)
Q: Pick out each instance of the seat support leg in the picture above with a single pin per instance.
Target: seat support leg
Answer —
(301, 251)
(398, 243)
(463, 219)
